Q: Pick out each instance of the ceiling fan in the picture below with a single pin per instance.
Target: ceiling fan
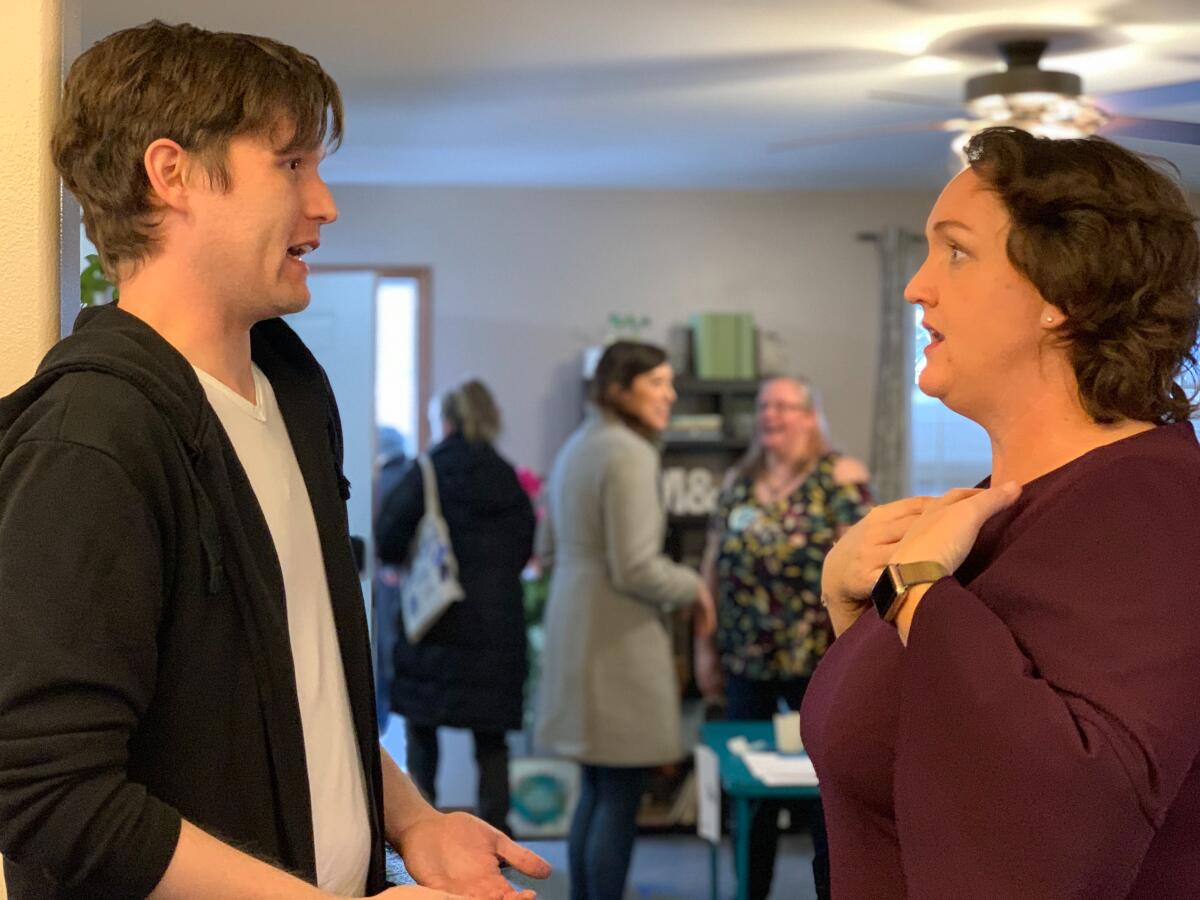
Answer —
(1040, 101)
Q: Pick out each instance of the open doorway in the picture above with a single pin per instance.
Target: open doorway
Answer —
(369, 329)
(401, 432)
(402, 358)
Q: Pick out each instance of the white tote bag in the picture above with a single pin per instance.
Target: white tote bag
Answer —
(431, 582)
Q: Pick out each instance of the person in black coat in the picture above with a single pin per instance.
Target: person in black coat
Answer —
(391, 465)
(469, 670)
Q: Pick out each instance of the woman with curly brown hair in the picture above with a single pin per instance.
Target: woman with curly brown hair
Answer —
(1016, 716)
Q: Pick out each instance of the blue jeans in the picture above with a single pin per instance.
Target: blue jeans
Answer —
(603, 831)
(749, 699)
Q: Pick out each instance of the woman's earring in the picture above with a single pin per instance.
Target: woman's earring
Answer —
(1049, 319)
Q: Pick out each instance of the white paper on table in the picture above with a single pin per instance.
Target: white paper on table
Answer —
(708, 790)
(776, 770)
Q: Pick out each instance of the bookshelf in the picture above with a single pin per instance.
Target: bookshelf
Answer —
(695, 461)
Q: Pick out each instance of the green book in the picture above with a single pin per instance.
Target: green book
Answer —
(725, 361)
(723, 345)
(706, 331)
(747, 365)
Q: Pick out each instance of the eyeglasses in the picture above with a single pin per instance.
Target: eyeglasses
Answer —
(780, 406)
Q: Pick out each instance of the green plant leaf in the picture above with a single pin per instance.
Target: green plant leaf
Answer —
(93, 286)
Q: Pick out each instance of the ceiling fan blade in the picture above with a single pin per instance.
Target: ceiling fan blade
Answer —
(918, 99)
(1157, 95)
(858, 134)
(1153, 129)
(627, 78)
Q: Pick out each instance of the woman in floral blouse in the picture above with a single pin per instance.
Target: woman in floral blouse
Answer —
(780, 510)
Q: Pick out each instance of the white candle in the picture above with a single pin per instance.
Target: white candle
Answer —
(787, 732)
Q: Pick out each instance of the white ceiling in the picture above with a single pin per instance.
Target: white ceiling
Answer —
(677, 92)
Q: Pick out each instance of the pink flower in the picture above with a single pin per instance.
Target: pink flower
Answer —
(530, 482)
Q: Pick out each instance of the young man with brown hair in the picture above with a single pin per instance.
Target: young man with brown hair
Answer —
(186, 705)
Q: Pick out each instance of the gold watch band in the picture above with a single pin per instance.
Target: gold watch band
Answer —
(906, 576)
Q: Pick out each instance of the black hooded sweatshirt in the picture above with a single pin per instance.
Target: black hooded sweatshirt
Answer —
(469, 670)
(146, 668)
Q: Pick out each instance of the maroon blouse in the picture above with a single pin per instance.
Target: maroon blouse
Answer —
(1040, 735)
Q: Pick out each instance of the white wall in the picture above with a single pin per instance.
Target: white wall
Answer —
(29, 68)
(524, 279)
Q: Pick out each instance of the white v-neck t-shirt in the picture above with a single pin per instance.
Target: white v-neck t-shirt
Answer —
(341, 830)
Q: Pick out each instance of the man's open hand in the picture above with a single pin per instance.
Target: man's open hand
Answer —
(460, 854)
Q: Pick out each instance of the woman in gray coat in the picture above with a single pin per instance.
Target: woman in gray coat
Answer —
(609, 694)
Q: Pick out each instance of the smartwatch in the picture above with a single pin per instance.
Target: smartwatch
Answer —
(895, 582)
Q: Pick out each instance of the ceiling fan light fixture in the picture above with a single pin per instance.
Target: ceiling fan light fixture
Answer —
(1057, 115)
(1058, 131)
(1044, 103)
(1040, 113)
(1023, 80)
